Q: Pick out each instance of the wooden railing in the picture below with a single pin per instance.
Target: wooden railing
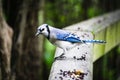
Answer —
(79, 60)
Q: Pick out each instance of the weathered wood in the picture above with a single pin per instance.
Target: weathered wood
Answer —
(105, 27)
(78, 62)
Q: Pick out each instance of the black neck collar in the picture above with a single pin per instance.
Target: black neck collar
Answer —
(48, 30)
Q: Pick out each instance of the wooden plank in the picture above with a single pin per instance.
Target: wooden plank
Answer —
(105, 27)
(78, 63)
(79, 60)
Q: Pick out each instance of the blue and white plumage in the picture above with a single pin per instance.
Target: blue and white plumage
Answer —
(55, 36)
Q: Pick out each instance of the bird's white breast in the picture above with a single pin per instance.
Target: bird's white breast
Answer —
(64, 45)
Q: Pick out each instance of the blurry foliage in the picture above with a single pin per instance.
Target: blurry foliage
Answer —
(49, 50)
(92, 11)
(107, 67)
(118, 50)
(63, 12)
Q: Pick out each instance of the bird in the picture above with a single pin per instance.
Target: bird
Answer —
(55, 36)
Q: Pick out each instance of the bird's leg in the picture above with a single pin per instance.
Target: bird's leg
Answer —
(60, 57)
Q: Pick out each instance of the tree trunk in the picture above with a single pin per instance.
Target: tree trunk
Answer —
(5, 46)
(26, 47)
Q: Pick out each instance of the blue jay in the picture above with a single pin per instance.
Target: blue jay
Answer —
(55, 36)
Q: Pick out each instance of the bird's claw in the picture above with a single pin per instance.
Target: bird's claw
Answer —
(61, 57)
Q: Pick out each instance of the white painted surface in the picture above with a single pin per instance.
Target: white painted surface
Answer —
(78, 62)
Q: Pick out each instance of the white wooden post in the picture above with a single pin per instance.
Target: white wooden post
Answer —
(78, 62)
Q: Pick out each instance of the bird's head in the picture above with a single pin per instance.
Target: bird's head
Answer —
(43, 29)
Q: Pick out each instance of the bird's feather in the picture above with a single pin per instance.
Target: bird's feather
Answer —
(66, 36)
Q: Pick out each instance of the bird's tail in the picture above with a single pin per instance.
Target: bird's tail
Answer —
(93, 41)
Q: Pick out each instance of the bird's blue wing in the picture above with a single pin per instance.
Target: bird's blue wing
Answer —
(72, 38)
(65, 36)
(68, 37)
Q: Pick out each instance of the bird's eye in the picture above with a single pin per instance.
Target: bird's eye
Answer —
(41, 29)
